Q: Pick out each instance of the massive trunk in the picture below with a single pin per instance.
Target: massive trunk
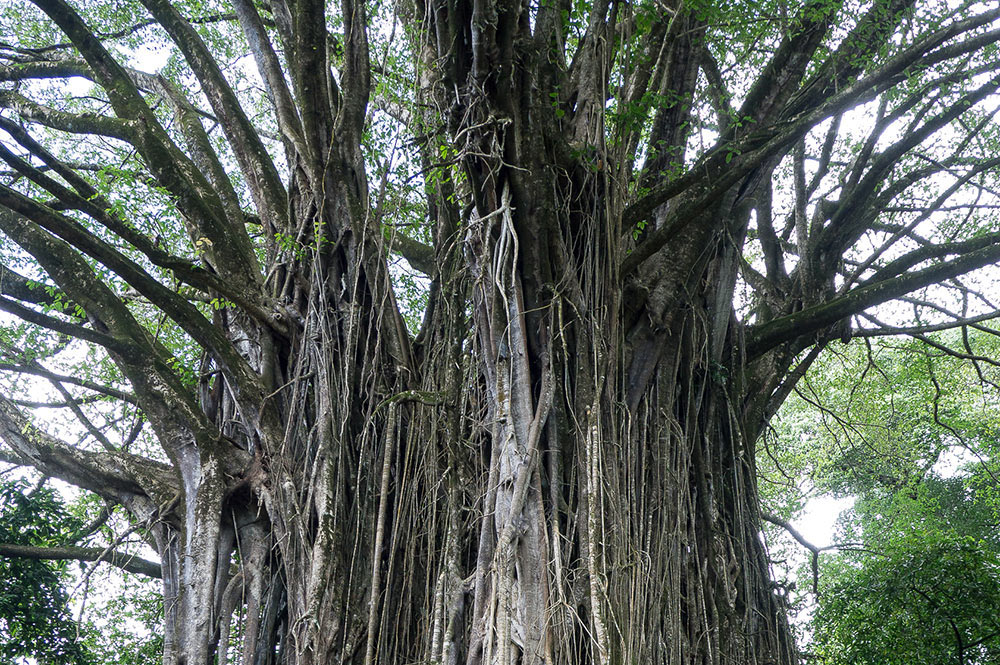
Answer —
(572, 482)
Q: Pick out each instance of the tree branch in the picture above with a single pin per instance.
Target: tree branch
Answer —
(885, 330)
(118, 34)
(19, 287)
(814, 550)
(258, 169)
(114, 476)
(812, 319)
(85, 123)
(126, 562)
(89, 200)
(196, 198)
(44, 69)
(270, 68)
(416, 253)
(844, 225)
(68, 269)
(58, 325)
(728, 163)
(83, 383)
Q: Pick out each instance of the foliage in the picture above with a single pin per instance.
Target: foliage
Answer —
(913, 575)
(126, 629)
(929, 595)
(35, 620)
(879, 414)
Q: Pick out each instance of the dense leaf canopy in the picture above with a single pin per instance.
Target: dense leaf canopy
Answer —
(909, 433)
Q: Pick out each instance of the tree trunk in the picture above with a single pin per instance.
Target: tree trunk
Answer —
(577, 485)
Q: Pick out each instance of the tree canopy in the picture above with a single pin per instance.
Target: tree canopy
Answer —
(909, 433)
(447, 331)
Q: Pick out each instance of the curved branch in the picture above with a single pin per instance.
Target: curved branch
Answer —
(814, 550)
(86, 123)
(58, 325)
(813, 319)
(99, 298)
(19, 287)
(793, 532)
(83, 383)
(171, 407)
(417, 254)
(89, 200)
(728, 163)
(258, 169)
(126, 562)
(115, 476)
(230, 250)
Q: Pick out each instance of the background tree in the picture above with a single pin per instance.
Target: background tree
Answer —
(908, 430)
(32, 600)
(641, 222)
(40, 534)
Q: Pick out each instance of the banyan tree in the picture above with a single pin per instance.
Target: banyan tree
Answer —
(444, 331)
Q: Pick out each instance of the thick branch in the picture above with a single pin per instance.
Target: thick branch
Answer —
(196, 198)
(84, 123)
(816, 318)
(45, 69)
(89, 200)
(258, 169)
(114, 476)
(126, 562)
(270, 68)
(356, 83)
(726, 164)
(67, 269)
(417, 254)
(19, 287)
(315, 89)
(784, 72)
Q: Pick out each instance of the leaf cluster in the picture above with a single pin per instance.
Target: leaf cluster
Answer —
(35, 619)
